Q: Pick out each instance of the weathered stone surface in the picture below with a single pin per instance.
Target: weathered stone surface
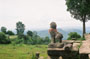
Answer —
(85, 48)
(55, 35)
(68, 47)
(87, 36)
(59, 45)
(68, 41)
(57, 52)
(68, 50)
(84, 56)
(56, 49)
(77, 41)
(89, 56)
(52, 45)
(75, 46)
(42, 57)
(56, 45)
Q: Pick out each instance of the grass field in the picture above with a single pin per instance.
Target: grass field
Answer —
(22, 51)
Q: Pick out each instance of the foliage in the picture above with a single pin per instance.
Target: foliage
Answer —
(17, 41)
(73, 35)
(26, 39)
(30, 33)
(31, 37)
(33, 56)
(3, 29)
(20, 27)
(36, 39)
(82, 38)
(23, 40)
(35, 34)
(4, 39)
(80, 45)
(80, 10)
(46, 40)
(40, 40)
(9, 32)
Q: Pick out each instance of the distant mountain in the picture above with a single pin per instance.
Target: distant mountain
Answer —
(45, 33)
(65, 32)
(79, 31)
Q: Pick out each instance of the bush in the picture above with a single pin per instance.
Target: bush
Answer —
(30, 33)
(4, 39)
(73, 35)
(24, 40)
(17, 41)
(82, 38)
(10, 32)
(46, 40)
(3, 29)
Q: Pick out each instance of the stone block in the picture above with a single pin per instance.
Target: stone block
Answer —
(56, 45)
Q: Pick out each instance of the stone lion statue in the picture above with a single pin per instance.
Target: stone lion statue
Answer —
(55, 35)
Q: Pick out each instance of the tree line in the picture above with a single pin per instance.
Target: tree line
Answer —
(31, 37)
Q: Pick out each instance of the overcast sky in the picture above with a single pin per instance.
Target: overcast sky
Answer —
(36, 14)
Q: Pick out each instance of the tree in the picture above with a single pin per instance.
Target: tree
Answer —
(3, 29)
(20, 27)
(9, 32)
(46, 40)
(30, 33)
(73, 35)
(80, 10)
(35, 35)
(4, 39)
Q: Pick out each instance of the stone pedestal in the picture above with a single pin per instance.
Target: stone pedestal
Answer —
(64, 50)
(55, 53)
(56, 45)
(85, 48)
(84, 56)
(54, 57)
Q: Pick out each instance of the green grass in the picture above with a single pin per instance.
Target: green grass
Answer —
(22, 51)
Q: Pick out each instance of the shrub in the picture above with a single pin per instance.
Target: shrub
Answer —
(82, 38)
(10, 32)
(46, 40)
(4, 39)
(3, 29)
(30, 33)
(24, 40)
(18, 41)
(73, 35)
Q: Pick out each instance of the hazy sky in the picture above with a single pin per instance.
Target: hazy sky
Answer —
(36, 14)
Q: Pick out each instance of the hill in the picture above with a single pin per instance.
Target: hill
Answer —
(44, 33)
(64, 31)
